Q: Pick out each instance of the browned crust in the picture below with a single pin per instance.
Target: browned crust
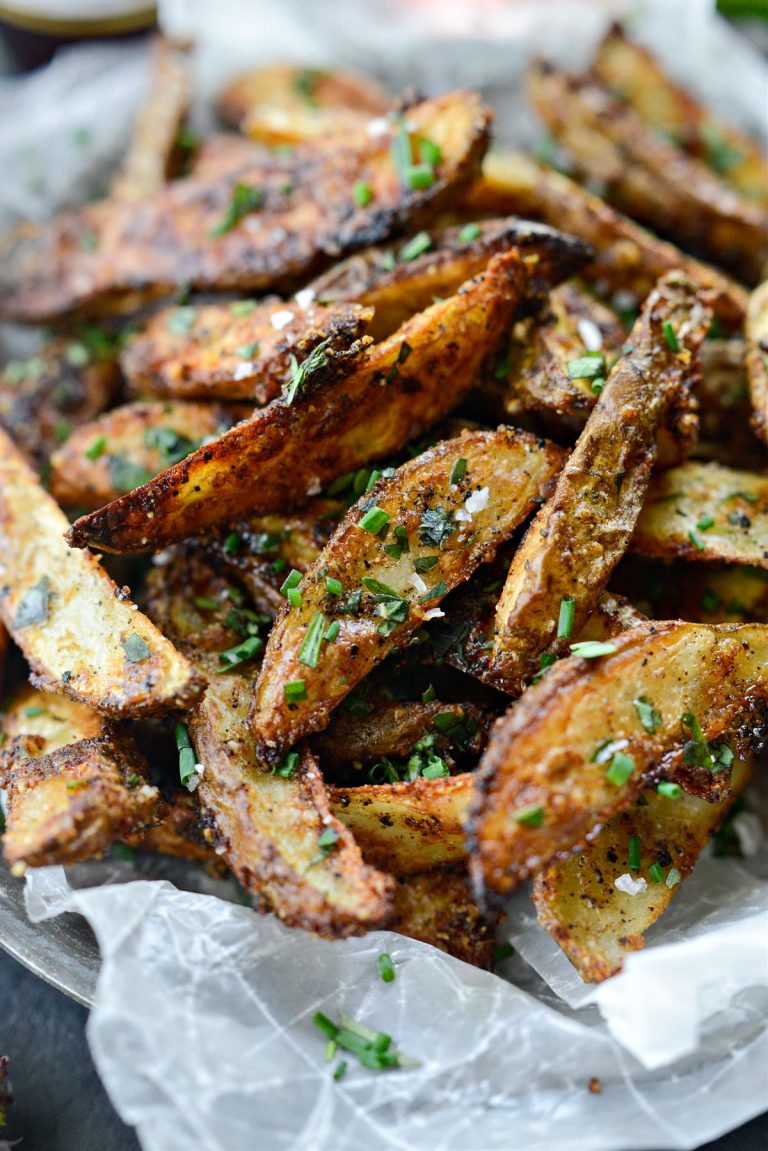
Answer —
(437, 907)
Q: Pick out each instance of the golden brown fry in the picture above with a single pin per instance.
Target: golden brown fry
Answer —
(635, 75)
(440, 528)
(578, 747)
(628, 257)
(286, 104)
(278, 832)
(756, 358)
(129, 445)
(705, 512)
(437, 907)
(648, 177)
(88, 258)
(595, 923)
(153, 154)
(288, 451)
(407, 827)
(542, 348)
(40, 722)
(396, 284)
(237, 351)
(45, 398)
(79, 632)
(580, 534)
(390, 731)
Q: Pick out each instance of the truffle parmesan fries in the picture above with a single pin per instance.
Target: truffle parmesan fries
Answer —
(384, 518)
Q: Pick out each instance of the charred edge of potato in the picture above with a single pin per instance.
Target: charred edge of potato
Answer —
(756, 359)
(418, 500)
(646, 175)
(38, 723)
(75, 802)
(222, 354)
(437, 907)
(628, 256)
(288, 451)
(405, 828)
(635, 75)
(541, 794)
(177, 833)
(580, 534)
(577, 901)
(705, 512)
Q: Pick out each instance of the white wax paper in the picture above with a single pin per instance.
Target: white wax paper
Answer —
(202, 1026)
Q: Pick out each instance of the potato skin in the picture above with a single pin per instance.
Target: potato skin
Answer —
(543, 752)
(87, 258)
(756, 358)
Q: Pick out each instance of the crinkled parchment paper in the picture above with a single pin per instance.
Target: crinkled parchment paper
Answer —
(202, 1027)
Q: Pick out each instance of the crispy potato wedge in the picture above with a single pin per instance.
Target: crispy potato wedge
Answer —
(153, 155)
(582, 531)
(177, 832)
(634, 74)
(288, 451)
(271, 827)
(45, 398)
(756, 358)
(221, 234)
(74, 802)
(390, 731)
(396, 284)
(577, 901)
(79, 632)
(408, 827)
(286, 104)
(130, 444)
(543, 346)
(238, 351)
(705, 512)
(628, 257)
(505, 474)
(577, 747)
(437, 907)
(646, 176)
(41, 722)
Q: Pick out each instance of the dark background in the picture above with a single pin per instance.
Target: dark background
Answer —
(60, 1104)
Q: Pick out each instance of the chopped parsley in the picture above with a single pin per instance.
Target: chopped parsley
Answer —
(136, 650)
(697, 752)
(34, 605)
(436, 526)
(172, 445)
(300, 372)
(327, 842)
(96, 449)
(458, 472)
(532, 816)
(647, 714)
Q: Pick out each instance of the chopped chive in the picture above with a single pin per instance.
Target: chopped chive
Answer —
(330, 1050)
(333, 586)
(240, 653)
(293, 595)
(592, 648)
(532, 816)
(333, 630)
(96, 449)
(696, 540)
(567, 616)
(362, 193)
(292, 580)
(187, 758)
(300, 372)
(386, 968)
(232, 544)
(374, 520)
(294, 691)
(418, 176)
(669, 789)
(710, 600)
(247, 351)
(620, 769)
(635, 862)
(327, 842)
(587, 367)
(458, 472)
(287, 765)
(647, 714)
(310, 648)
(429, 151)
(416, 246)
(670, 336)
(597, 386)
(705, 524)
(245, 199)
(341, 1070)
(656, 872)
(429, 695)
(469, 233)
(204, 603)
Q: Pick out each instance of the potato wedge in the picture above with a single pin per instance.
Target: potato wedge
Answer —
(634, 74)
(408, 827)
(78, 630)
(153, 155)
(177, 833)
(580, 745)
(396, 283)
(648, 177)
(437, 907)
(286, 104)
(40, 722)
(279, 835)
(67, 383)
(705, 512)
(221, 234)
(238, 351)
(580, 534)
(288, 451)
(628, 256)
(756, 358)
(130, 444)
(578, 902)
(438, 523)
